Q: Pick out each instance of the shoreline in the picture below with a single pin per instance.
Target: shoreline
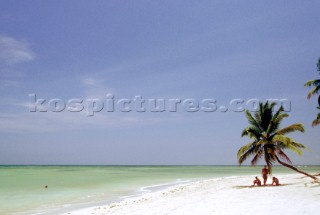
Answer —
(140, 191)
(215, 196)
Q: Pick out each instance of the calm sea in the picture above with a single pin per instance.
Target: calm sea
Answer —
(22, 188)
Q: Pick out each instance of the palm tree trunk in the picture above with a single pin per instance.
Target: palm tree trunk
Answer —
(295, 169)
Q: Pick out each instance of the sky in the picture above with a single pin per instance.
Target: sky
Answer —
(120, 58)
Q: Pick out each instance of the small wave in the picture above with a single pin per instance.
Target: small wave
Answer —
(147, 189)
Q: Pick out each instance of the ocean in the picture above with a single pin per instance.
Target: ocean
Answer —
(56, 189)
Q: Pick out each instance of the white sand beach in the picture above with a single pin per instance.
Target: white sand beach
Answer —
(230, 195)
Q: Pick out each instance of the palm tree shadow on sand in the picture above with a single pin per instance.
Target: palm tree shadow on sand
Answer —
(268, 185)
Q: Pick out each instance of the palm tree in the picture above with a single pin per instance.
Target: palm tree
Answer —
(316, 84)
(268, 141)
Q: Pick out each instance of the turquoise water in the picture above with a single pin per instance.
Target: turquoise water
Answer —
(22, 188)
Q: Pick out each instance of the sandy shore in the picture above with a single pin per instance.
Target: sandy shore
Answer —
(230, 195)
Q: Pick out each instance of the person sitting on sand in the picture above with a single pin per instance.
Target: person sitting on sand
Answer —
(264, 175)
(257, 182)
(275, 181)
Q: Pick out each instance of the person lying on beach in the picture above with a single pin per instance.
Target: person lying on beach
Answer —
(275, 181)
(257, 182)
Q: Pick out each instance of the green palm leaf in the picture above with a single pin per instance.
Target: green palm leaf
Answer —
(313, 92)
(291, 128)
(251, 119)
(252, 132)
(310, 83)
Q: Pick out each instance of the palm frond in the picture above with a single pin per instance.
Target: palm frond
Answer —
(244, 132)
(276, 120)
(313, 92)
(280, 117)
(252, 132)
(272, 105)
(245, 152)
(295, 150)
(283, 156)
(291, 128)
(298, 145)
(275, 123)
(310, 83)
(245, 148)
(317, 120)
(256, 158)
(281, 140)
(284, 142)
(251, 119)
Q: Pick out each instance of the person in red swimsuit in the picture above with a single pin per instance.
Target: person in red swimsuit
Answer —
(264, 175)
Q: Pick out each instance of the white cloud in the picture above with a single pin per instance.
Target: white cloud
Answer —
(13, 51)
(95, 87)
(90, 81)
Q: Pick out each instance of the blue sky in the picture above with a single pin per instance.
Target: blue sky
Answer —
(218, 50)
